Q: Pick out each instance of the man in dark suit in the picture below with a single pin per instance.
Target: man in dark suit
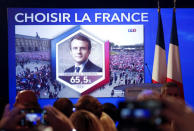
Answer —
(80, 48)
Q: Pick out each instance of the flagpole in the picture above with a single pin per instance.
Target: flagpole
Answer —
(158, 5)
(174, 5)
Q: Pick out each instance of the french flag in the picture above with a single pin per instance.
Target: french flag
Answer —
(174, 67)
(159, 65)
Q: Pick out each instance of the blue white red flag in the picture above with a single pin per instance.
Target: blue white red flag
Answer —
(159, 66)
(174, 67)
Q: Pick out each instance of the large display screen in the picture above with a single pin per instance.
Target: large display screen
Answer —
(118, 44)
(45, 59)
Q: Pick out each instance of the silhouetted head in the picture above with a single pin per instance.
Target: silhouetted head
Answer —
(27, 99)
(85, 121)
(91, 104)
(64, 105)
(111, 110)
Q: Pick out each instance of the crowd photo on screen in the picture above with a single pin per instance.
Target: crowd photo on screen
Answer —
(33, 67)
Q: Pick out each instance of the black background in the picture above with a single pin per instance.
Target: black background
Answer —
(4, 4)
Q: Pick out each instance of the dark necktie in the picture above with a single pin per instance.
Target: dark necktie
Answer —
(77, 69)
